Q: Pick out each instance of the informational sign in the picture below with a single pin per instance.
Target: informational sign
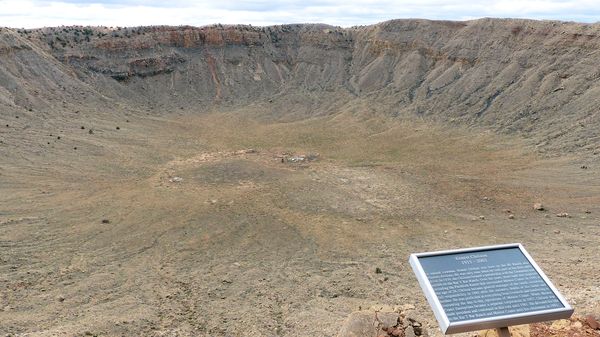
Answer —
(487, 287)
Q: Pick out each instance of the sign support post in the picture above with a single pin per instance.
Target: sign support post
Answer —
(503, 332)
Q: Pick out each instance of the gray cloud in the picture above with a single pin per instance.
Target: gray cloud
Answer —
(33, 13)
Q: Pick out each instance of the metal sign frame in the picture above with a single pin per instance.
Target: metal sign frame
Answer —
(448, 327)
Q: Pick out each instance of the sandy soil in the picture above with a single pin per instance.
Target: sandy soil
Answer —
(173, 227)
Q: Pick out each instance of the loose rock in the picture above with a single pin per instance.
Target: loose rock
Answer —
(381, 321)
(592, 322)
(360, 323)
(560, 324)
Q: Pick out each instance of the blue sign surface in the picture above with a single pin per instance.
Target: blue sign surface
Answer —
(487, 283)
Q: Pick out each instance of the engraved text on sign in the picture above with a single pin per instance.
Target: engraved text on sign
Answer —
(487, 284)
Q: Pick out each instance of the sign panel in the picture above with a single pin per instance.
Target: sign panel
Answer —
(487, 287)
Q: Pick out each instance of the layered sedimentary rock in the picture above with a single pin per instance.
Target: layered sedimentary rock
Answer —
(538, 79)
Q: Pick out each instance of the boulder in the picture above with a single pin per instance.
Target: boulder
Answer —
(382, 321)
(359, 324)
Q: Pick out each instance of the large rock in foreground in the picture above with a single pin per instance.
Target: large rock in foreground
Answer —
(382, 321)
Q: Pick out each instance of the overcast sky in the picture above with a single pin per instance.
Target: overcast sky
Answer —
(38, 13)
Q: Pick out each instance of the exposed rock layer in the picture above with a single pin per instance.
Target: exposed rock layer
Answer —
(535, 78)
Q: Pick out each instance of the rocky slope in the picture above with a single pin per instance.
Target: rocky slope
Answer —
(535, 78)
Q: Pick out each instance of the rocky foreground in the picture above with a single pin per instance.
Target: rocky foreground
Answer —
(384, 321)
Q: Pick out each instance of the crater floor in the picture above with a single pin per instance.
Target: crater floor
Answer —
(211, 225)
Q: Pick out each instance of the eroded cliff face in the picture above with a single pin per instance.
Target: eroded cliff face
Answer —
(186, 66)
(538, 79)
